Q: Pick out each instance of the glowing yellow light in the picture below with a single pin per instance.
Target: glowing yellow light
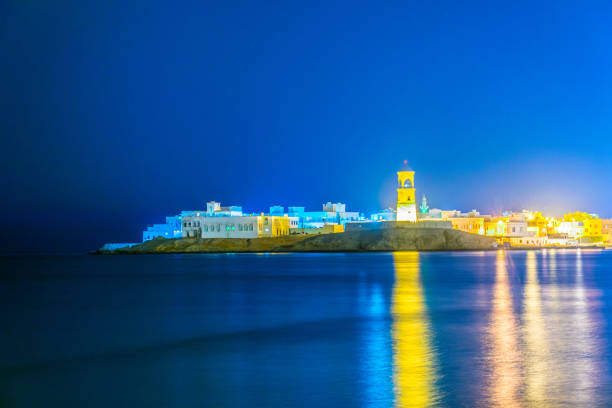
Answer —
(413, 373)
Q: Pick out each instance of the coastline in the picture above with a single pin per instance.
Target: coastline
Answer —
(396, 239)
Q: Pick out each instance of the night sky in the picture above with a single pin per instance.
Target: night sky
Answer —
(115, 114)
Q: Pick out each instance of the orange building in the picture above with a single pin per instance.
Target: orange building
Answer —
(606, 229)
(473, 225)
(495, 226)
(593, 227)
(538, 226)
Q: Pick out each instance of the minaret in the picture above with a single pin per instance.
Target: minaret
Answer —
(406, 205)
(424, 207)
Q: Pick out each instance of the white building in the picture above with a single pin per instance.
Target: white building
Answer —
(384, 215)
(294, 222)
(529, 241)
(517, 226)
(214, 209)
(334, 207)
(572, 229)
(562, 241)
(204, 226)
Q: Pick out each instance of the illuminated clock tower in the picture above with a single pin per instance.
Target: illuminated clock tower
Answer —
(406, 204)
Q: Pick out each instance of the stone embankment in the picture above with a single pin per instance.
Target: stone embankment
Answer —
(392, 239)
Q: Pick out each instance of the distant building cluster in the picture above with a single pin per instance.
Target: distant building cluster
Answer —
(230, 222)
(515, 228)
(530, 228)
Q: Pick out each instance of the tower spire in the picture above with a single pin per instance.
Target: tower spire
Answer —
(424, 207)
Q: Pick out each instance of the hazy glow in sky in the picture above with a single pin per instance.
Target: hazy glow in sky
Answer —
(115, 114)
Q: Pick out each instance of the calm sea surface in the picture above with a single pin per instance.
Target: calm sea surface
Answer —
(346, 330)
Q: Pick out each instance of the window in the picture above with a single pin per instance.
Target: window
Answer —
(250, 227)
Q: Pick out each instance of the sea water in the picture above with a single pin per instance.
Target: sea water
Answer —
(513, 328)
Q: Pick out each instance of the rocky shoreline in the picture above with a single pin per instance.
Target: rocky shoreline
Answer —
(395, 239)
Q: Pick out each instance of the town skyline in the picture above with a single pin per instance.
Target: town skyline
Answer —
(517, 228)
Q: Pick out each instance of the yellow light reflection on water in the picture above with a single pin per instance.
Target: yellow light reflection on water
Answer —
(413, 359)
(504, 354)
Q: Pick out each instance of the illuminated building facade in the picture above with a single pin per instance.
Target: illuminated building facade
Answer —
(433, 213)
(495, 226)
(406, 205)
(277, 210)
(573, 229)
(593, 227)
(214, 209)
(473, 225)
(333, 213)
(171, 229)
(606, 230)
(256, 226)
(384, 215)
(532, 241)
(517, 226)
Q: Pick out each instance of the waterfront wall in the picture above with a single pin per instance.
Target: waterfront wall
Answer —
(384, 225)
(112, 245)
(326, 229)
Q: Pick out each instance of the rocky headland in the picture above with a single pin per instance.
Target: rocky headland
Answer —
(392, 239)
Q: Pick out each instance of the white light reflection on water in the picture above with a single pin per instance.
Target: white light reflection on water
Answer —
(588, 367)
(552, 356)
(560, 335)
(566, 358)
(536, 353)
(504, 356)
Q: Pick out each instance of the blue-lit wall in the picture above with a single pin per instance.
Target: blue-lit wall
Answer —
(171, 229)
(316, 219)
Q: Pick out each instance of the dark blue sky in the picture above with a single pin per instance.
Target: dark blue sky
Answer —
(115, 114)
